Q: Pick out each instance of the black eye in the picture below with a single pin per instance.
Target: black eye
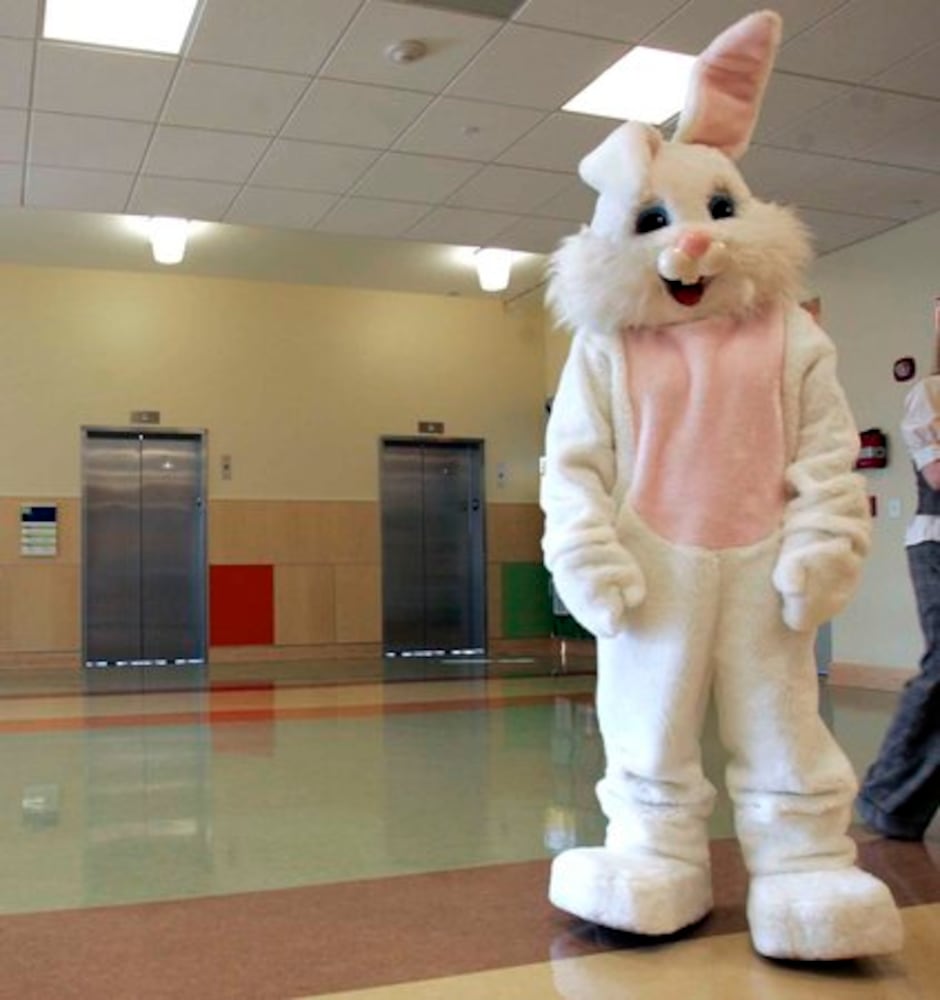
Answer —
(721, 206)
(654, 217)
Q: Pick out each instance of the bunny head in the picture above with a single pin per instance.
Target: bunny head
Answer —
(676, 233)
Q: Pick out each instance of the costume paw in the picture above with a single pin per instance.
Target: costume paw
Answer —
(823, 916)
(643, 895)
(816, 582)
(600, 597)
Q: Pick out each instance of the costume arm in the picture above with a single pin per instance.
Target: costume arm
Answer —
(826, 528)
(594, 574)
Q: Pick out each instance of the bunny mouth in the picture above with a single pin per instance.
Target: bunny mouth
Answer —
(687, 295)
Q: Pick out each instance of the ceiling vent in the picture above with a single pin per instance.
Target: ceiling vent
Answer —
(502, 9)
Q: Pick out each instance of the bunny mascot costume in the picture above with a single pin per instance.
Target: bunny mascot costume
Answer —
(702, 519)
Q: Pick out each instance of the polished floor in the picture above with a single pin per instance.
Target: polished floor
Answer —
(362, 830)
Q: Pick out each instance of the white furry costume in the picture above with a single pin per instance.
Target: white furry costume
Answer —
(702, 519)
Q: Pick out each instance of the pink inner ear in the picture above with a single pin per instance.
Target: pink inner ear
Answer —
(728, 83)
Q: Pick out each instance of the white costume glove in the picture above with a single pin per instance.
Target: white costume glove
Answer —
(816, 580)
(600, 590)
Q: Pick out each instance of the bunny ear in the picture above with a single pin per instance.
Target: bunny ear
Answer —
(617, 169)
(728, 83)
(622, 159)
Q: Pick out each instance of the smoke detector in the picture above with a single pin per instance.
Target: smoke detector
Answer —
(406, 52)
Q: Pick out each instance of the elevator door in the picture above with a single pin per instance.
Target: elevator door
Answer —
(144, 547)
(433, 547)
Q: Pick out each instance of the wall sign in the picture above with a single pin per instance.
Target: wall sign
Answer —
(431, 427)
(39, 530)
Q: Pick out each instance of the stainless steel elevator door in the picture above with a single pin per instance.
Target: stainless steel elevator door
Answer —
(433, 547)
(111, 548)
(144, 550)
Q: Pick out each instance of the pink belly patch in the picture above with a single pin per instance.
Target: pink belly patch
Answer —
(706, 401)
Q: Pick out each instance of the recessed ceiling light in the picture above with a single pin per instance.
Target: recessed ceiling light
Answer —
(646, 85)
(149, 25)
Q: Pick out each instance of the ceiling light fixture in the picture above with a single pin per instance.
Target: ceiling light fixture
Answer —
(147, 25)
(168, 239)
(646, 85)
(494, 266)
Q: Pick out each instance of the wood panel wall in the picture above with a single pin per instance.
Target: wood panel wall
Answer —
(327, 570)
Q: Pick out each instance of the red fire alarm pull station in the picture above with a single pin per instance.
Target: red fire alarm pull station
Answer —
(873, 452)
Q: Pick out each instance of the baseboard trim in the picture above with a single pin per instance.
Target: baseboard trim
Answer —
(871, 678)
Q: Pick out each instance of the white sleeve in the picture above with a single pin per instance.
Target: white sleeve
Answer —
(594, 574)
(827, 525)
(920, 426)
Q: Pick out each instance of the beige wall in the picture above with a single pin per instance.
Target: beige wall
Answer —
(296, 383)
(877, 304)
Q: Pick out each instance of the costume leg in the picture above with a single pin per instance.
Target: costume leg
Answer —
(791, 785)
(901, 791)
(652, 875)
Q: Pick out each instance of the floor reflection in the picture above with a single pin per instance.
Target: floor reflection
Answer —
(148, 792)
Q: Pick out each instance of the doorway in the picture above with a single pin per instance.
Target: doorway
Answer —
(144, 547)
(433, 547)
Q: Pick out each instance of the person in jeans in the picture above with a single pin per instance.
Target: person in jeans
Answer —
(901, 791)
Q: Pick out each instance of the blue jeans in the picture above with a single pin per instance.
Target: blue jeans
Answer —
(901, 791)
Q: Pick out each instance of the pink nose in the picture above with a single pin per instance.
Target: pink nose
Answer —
(694, 243)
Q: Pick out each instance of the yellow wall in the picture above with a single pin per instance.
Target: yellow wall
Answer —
(297, 384)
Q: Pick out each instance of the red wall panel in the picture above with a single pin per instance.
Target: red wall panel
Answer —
(241, 605)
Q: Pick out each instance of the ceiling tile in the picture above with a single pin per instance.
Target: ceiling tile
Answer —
(699, 21)
(574, 202)
(461, 226)
(789, 98)
(560, 142)
(100, 82)
(18, 18)
(917, 75)
(294, 36)
(832, 230)
(371, 217)
(404, 177)
(226, 97)
(354, 114)
(16, 67)
(202, 155)
(12, 135)
(557, 66)
(783, 175)
(851, 123)
(11, 180)
(614, 19)
(452, 40)
(258, 206)
(509, 189)
(879, 38)
(917, 145)
(886, 191)
(467, 129)
(88, 143)
(78, 190)
(534, 235)
(186, 199)
(312, 166)
(816, 181)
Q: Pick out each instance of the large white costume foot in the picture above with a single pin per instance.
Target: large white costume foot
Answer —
(822, 916)
(643, 895)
